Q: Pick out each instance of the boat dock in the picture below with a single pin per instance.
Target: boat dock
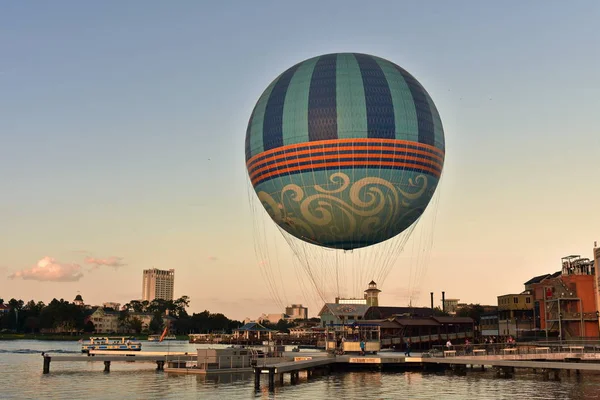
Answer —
(108, 357)
(548, 361)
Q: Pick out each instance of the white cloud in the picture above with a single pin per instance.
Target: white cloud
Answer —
(109, 262)
(48, 269)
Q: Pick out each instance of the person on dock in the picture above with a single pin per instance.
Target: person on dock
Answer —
(407, 352)
(362, 347)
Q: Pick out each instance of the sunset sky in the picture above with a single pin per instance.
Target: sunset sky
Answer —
(122, 127)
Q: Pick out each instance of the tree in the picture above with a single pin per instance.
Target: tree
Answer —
(156, 324)
(437, 312)
(89, 327)
(471, 310)
(135, 324)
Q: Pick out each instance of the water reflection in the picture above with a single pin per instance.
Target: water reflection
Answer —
(22, 378)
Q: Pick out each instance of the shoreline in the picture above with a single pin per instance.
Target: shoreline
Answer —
(71, 338)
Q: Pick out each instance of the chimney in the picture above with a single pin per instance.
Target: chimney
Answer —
(431, 300)
(444, 301)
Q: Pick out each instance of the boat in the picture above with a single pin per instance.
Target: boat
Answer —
(156, 338)
(110, 343)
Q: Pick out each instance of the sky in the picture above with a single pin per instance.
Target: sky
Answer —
(122, 130)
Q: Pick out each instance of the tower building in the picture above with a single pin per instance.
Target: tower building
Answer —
(158, 284)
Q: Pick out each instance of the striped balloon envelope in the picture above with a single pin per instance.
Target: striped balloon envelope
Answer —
(345, 150)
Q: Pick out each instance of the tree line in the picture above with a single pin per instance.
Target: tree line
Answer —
(62, 316)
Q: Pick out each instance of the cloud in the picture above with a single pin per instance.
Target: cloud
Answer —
(48, 269)
(212, 258)
(109, 262)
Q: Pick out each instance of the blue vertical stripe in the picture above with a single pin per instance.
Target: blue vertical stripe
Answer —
(378, 99)
(424, 117)
(248, 133)
(273, 118)
(322, 108)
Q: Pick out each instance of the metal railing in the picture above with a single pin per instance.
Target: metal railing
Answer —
(504, 349)
(223, 362)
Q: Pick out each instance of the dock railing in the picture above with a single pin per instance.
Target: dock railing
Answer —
(223, 362)
(504, 349)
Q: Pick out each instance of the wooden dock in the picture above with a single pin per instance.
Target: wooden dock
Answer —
(156, 357)
(318, 363)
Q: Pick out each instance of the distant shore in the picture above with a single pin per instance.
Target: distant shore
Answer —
(49, 337)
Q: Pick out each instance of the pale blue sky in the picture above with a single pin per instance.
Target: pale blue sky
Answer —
(123, 123)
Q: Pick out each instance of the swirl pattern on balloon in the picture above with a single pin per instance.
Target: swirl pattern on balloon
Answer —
(346, 214)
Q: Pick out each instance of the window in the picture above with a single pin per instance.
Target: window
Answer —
(528, 300)
(516, 300)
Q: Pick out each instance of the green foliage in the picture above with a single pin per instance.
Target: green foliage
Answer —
(156, 324)
(281, 326)
(437, 312)
(471, 310)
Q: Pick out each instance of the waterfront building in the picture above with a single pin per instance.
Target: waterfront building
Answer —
(515, 314)
(565, 303)
(158, 284)
(488, 324)
(296, 311)
(106, 320)
(253, 331)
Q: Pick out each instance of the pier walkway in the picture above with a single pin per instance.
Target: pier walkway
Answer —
(155, 357)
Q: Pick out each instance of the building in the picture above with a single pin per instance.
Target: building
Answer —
(565, 303)
(158, 284)
(296, 311)
(271, 318)
(106, 320)
(515, 314)
(450, 305)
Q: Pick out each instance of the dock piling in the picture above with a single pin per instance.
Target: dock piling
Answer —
(106, 366)
(271, 379)
(47, 360)
(160, 365)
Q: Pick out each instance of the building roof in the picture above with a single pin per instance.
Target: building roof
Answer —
(454, 320)
(379, 312)
(536, 279)
(253, 327)
(345, 309)
(417, 322)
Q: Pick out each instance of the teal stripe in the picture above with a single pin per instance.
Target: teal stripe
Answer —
(405, 114)
(438, 129)
(295, 109)
(350, 98)
(256, 130)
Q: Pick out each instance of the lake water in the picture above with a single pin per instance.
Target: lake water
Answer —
(21, 378)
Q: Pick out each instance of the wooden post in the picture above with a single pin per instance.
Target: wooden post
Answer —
(160, 365)
(47, 360)
(272, 379)
(256, 378)
(106, 366)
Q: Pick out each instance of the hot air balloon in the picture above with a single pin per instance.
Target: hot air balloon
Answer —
(344, 151)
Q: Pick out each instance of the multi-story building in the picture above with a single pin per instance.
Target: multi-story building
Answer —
(106, 320)
(450, 305)
(515, 313)
(158, 284)
(566, 302)
(296, 311)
